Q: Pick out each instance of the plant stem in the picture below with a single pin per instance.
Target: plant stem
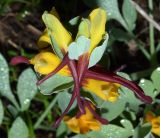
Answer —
(151, 32)
(30, 125)
(46, 104)
(41, 118)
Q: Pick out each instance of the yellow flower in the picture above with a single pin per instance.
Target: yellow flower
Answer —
(93, 28)
(155, 122)
(46, 62)
(82, 124)
(105, 90)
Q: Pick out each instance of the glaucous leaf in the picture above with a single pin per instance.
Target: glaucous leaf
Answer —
(79, 47)
(55, 84)
(98, 52)
(142, 130)
(111, 110)
(128, 95)
(26, 88)
(147, 87)
(155, 77)
(64, 99)
(5, 89)
(1, 112)
(129, 14)
(18, 129)
(114, 131)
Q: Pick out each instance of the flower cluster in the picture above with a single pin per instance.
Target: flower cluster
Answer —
(78, 58)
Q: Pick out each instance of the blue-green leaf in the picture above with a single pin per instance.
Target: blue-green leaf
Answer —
(114, 131)
(128, 95)
(79, 47)
(55, 84)
(5, 89)
(147, 87)
(111, 110)
(18, 129)
(98, 52)
(64, 99)
(142, 130)
(26, 88)
(129, 13)
(156, 78)
(1, 112)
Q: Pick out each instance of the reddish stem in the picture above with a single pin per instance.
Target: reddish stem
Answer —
(72, 66)
(111, 77)
(102, 120)
(67, 109)
(61, 65)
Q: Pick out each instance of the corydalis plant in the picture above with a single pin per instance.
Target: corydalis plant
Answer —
(77, 59)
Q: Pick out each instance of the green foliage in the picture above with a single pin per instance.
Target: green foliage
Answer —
(129, 14)
(26, 88)
(18, 129)
(1, 112)
(60, 83)
(76, 49)
(5, 89)
(98, 52)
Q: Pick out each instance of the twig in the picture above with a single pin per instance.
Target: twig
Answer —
(145, 15)
(13, 44)
(34, 30)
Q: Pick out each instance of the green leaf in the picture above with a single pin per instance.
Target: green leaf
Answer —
(26, 88)
(147, 87)
(61, 130)
(1, 112)
(95, 134)
(18, 129)
(5, 89)
(80, 136)
(64, 99)
(156, 78)
(79, 47)
(14, 112)
(98, 52)
(111, 110)
(111, 7)
(129, 13)
(55, 84)
(114, 131)
(128, 95)
(120, 35)
(142, 130)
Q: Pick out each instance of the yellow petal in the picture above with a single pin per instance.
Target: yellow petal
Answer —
(156, 125)
(105, 90)
(83, 124)
(54, 12)
(84, 28)
(60, 34)
(46, 62)
(72, 123)
(98, 19)
(44, 40)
